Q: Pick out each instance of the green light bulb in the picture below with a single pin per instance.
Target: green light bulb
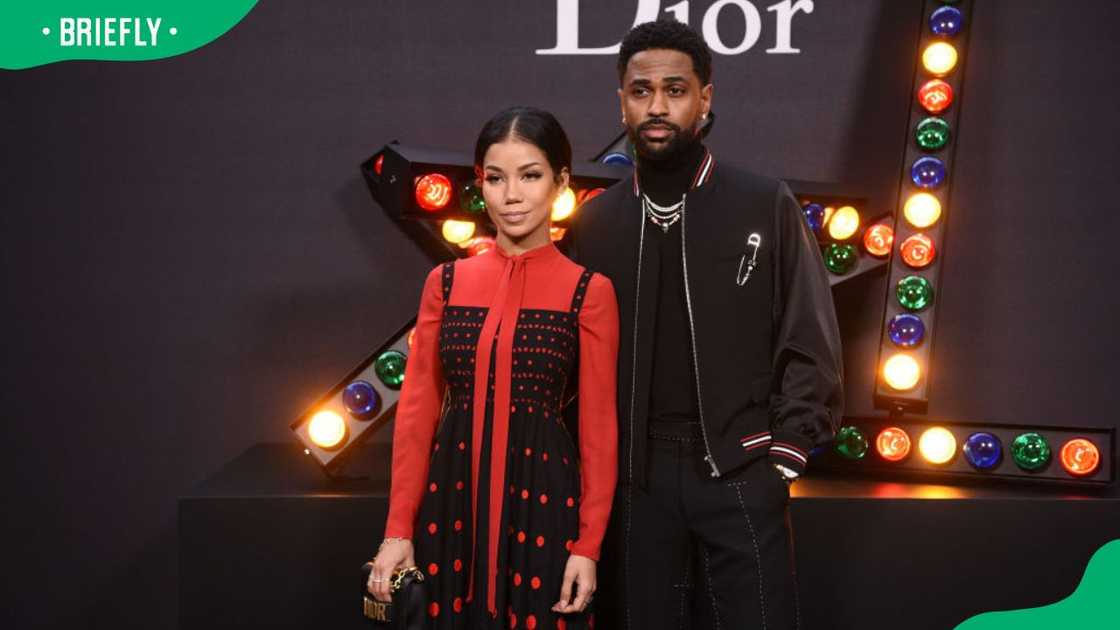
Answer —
(840, 258)
(390, 368)
(851, 443)
(470, 200)
(932, 133)
(1030, 451)
(914, 293)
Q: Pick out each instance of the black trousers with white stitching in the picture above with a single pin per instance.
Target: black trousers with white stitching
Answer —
(696, 552)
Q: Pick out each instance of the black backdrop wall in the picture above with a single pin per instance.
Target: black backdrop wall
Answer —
(190, 258)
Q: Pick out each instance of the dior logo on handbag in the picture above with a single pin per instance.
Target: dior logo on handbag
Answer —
(754, 241)
(375, 610)
(406, 610)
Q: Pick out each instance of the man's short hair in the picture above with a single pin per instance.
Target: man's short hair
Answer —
(667, 34)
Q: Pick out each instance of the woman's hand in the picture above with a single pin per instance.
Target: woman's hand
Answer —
(393, 555)
(579, 574)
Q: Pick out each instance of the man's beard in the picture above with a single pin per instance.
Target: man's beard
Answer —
(675, 145)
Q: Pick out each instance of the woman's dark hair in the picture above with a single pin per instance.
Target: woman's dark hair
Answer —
(535, 126)
(667, 34)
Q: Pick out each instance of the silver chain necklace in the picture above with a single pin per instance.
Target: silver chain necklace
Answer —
(663, 216)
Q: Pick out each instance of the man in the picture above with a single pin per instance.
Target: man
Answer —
(729, 364)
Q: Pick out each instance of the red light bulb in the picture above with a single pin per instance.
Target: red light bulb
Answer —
(935, 96)
(878, 240)
(893, 444)
(917, 251)
(433, 191)
(480, 245)
(1080, 457)
(591, 194)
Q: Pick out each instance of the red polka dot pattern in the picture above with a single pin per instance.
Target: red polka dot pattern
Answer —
(539, 469)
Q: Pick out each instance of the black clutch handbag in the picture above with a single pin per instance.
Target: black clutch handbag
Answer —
(406, 611)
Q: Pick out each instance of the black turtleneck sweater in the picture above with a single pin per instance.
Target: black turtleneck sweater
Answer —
(673, 385)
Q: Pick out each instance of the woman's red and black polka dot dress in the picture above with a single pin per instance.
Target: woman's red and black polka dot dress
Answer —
(487, 481)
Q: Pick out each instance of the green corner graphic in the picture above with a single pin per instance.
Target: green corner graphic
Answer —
(1093, 601)
(34, 33)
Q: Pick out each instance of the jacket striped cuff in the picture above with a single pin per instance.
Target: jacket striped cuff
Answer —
(756, 441)
(790, 450)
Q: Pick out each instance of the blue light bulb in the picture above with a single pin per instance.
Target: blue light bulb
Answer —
(906, 330)
(814, 216)
(946, 21)
(361, 399)
(619, 159)
(983, 450)
(928, 172)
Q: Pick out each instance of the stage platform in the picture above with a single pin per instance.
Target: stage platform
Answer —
(271, 542)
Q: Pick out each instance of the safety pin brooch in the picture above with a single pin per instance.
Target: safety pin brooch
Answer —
(754, 241)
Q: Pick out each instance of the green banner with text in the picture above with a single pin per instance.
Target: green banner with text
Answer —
(46, 31)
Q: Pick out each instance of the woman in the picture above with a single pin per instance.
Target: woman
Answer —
(499, 508)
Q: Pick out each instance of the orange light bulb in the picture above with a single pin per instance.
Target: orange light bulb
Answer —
(922, 210)
(937, 445)
(1080, 457)
(458, 232)
(902, 372)
(939, 58)
(564, 205)
(878, 240)
(844, 223)
(893, 444)
(327, 429)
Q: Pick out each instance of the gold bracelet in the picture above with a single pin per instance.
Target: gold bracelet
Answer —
(389, 540)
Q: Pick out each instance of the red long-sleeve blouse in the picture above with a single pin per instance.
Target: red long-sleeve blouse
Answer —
(504, 284)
